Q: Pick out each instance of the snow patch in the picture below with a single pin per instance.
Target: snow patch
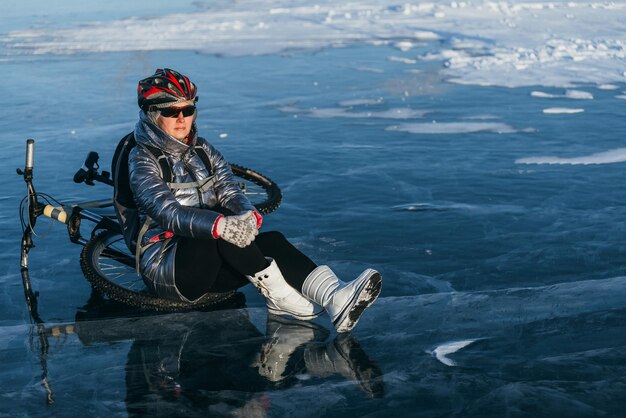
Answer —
(370, 70)
(333, 112)
(561, 110)
(442, 351)
(608, 87)
(613, 156)
(360, 102)
(402, 60)
(454, 128)
(569, 94)
(481, 117)
(504, 43)
(426, 36)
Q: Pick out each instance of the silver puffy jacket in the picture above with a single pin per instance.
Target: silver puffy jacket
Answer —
(184, 212)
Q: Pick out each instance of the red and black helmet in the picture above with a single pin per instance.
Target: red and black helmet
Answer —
(163, 88)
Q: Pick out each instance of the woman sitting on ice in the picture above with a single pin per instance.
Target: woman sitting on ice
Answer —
(205, 238)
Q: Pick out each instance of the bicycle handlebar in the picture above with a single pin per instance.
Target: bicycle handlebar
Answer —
(89, 171)
(90, 164)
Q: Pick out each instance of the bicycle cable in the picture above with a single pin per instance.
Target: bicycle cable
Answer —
(25, 204)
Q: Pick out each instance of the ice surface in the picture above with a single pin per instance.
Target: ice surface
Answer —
(462, 207)
(214, 360)
(491, 222)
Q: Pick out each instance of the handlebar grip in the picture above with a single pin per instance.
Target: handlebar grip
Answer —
(80, 175)
(55, 213)
(30, 152)
(91, 160)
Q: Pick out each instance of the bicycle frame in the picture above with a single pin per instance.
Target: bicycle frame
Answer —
(71, 215)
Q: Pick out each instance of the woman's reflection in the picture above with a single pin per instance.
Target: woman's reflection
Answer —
(221, 364)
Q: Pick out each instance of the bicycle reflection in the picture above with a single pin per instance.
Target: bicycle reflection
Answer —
(222, 364)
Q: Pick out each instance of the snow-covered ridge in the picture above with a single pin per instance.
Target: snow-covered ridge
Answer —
(507, 43)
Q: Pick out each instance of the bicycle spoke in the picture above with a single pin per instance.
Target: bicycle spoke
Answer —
(131, 284)
(109, 272)
(109, 267)
(117, 265)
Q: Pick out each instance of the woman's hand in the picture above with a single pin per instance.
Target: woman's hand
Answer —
(239, 230)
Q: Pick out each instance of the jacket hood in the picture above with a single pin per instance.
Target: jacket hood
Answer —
(149, 133)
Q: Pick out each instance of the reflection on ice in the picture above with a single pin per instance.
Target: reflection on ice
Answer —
(285, 337)
(222, 363)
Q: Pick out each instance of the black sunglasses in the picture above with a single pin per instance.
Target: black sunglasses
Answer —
(173, 112)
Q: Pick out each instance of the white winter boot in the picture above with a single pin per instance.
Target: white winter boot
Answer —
(282, 299)
(344, 302)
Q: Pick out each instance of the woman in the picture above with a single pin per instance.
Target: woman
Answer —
(204, 237)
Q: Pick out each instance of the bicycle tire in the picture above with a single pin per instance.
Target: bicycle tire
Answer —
(263, 193)
(109, 267)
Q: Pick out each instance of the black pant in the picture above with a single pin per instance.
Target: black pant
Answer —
(218, 266)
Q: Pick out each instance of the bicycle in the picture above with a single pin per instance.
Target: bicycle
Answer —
(105, 260)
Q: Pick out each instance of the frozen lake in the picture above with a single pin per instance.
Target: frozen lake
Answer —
(472, 152)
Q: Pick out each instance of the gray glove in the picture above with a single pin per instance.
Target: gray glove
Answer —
(237, 229)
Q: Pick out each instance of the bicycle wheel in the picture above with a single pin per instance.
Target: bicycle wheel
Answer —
(109, 267)
(263, 193)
